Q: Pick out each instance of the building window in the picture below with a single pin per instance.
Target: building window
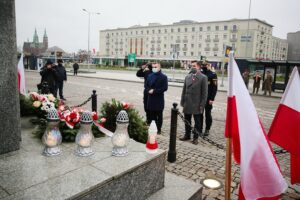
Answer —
(172, 37)
(200, 29)
(199, 45)
(217, 28)
(185, 29)
(153, 31)
(112, 34)
(192, 45)
(234, 27)
(224, 36)
(142, 32)
(165, 46)
(136, 32)
(200, 37)
(166, 30)
(184, 53)
(199, 53)
(184, 45)
(158, 53)
(193, 37)
(192, 53)
(208, 28)
(147, 31)
(158, 30)
(216, 37)
(193, 29)
(208, 37)
(165, 53)
(172, 30)
(165, 37)
(178, 30)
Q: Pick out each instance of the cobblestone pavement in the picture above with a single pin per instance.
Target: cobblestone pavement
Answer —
(194, 162)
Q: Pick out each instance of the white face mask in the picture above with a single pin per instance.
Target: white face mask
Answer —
(155, 70)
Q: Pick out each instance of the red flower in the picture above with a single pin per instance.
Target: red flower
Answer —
(103, 120)
(126, 105)
(73, 115)
(95, 116)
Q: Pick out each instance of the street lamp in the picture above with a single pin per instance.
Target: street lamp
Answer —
(89, 13)
(247, 39)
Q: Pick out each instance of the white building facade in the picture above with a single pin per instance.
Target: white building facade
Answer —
(190, 40)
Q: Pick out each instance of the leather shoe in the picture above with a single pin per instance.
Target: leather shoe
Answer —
(184, 138)
(206, 133)
(195, 141)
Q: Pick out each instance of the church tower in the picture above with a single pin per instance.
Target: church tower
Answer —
(45, 40)
(35, 38)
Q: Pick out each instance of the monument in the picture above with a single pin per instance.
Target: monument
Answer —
(10, 131)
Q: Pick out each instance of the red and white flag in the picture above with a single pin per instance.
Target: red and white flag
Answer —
(260, 176)
(285, 128)
(21, 76)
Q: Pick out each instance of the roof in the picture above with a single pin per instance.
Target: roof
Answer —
(55, 49)
(189, 22)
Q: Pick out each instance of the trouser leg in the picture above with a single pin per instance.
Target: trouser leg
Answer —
(198, 125)
(188, 118)
(208, 117)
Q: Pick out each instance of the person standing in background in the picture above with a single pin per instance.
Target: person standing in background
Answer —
(61, 77)
(267, 85)
(246, 76)
(75, 68)
(256, 82)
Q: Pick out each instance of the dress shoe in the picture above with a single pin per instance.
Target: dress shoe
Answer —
(206, 133)
(184, 138)
(195, 141)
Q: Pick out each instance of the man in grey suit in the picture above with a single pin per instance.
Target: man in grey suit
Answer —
(193, 99)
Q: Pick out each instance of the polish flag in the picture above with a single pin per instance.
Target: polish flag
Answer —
(260, 175)
(21, 76)
(285, 128)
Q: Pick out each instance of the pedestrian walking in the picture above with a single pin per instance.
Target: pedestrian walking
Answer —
(267, 84)
(75, 68)
(145, 71)
(156, 86)
(193, 99)
(49, 77)
(256, 82)
(61, 77)
(246, 77)
(212, 80)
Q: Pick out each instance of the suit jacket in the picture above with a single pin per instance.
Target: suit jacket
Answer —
(159, 83)
(194, 93)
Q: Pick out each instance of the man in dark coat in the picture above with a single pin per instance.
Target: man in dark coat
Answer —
(212, 91)
(193, 99)
(144, 72)
(256, 82)
(61, 77)
(75, 68)
(49, 77)
(267, 84)
(156, 85)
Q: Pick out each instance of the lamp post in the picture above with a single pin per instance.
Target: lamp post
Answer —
(247, 39)
(89, 13)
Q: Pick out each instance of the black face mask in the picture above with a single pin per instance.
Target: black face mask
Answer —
(193, 70)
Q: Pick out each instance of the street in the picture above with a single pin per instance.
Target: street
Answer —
(194, 162)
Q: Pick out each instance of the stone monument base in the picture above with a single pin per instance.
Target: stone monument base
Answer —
(27, 174)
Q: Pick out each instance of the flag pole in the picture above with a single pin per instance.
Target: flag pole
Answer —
(229, 140)
(228, 169)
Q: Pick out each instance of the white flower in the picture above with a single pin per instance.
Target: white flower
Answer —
(36, 104)
(51, 97)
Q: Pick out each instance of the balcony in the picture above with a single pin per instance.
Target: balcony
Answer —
(207, 49)
(261, 41)
(177, 41)
(216, 40)
(158, 49)
(184, 49)
(152, 49)
(207, 40)
(185, 41)
(233, 39)
(107, 43)
(158, 41)
(215, 49)
(233, 30)
(152, 41)
(107, 36)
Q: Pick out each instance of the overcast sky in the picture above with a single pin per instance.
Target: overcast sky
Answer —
(67, 24)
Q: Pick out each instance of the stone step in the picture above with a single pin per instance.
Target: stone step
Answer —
(178, 188)
(27, 174)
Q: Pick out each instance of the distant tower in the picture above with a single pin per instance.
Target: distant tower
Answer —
(35, 38)
(45, 40)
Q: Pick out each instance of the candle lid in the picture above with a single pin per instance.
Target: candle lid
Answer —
(86, 117)
(52, 114)
(122, 117)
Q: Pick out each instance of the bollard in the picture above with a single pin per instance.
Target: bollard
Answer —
(94, 101)
(173, 132)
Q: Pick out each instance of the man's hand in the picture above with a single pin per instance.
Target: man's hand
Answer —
(201, 110)
(210, 102)
(151, 91)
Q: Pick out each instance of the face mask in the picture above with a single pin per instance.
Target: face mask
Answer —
(154, 70)
(193, 70)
